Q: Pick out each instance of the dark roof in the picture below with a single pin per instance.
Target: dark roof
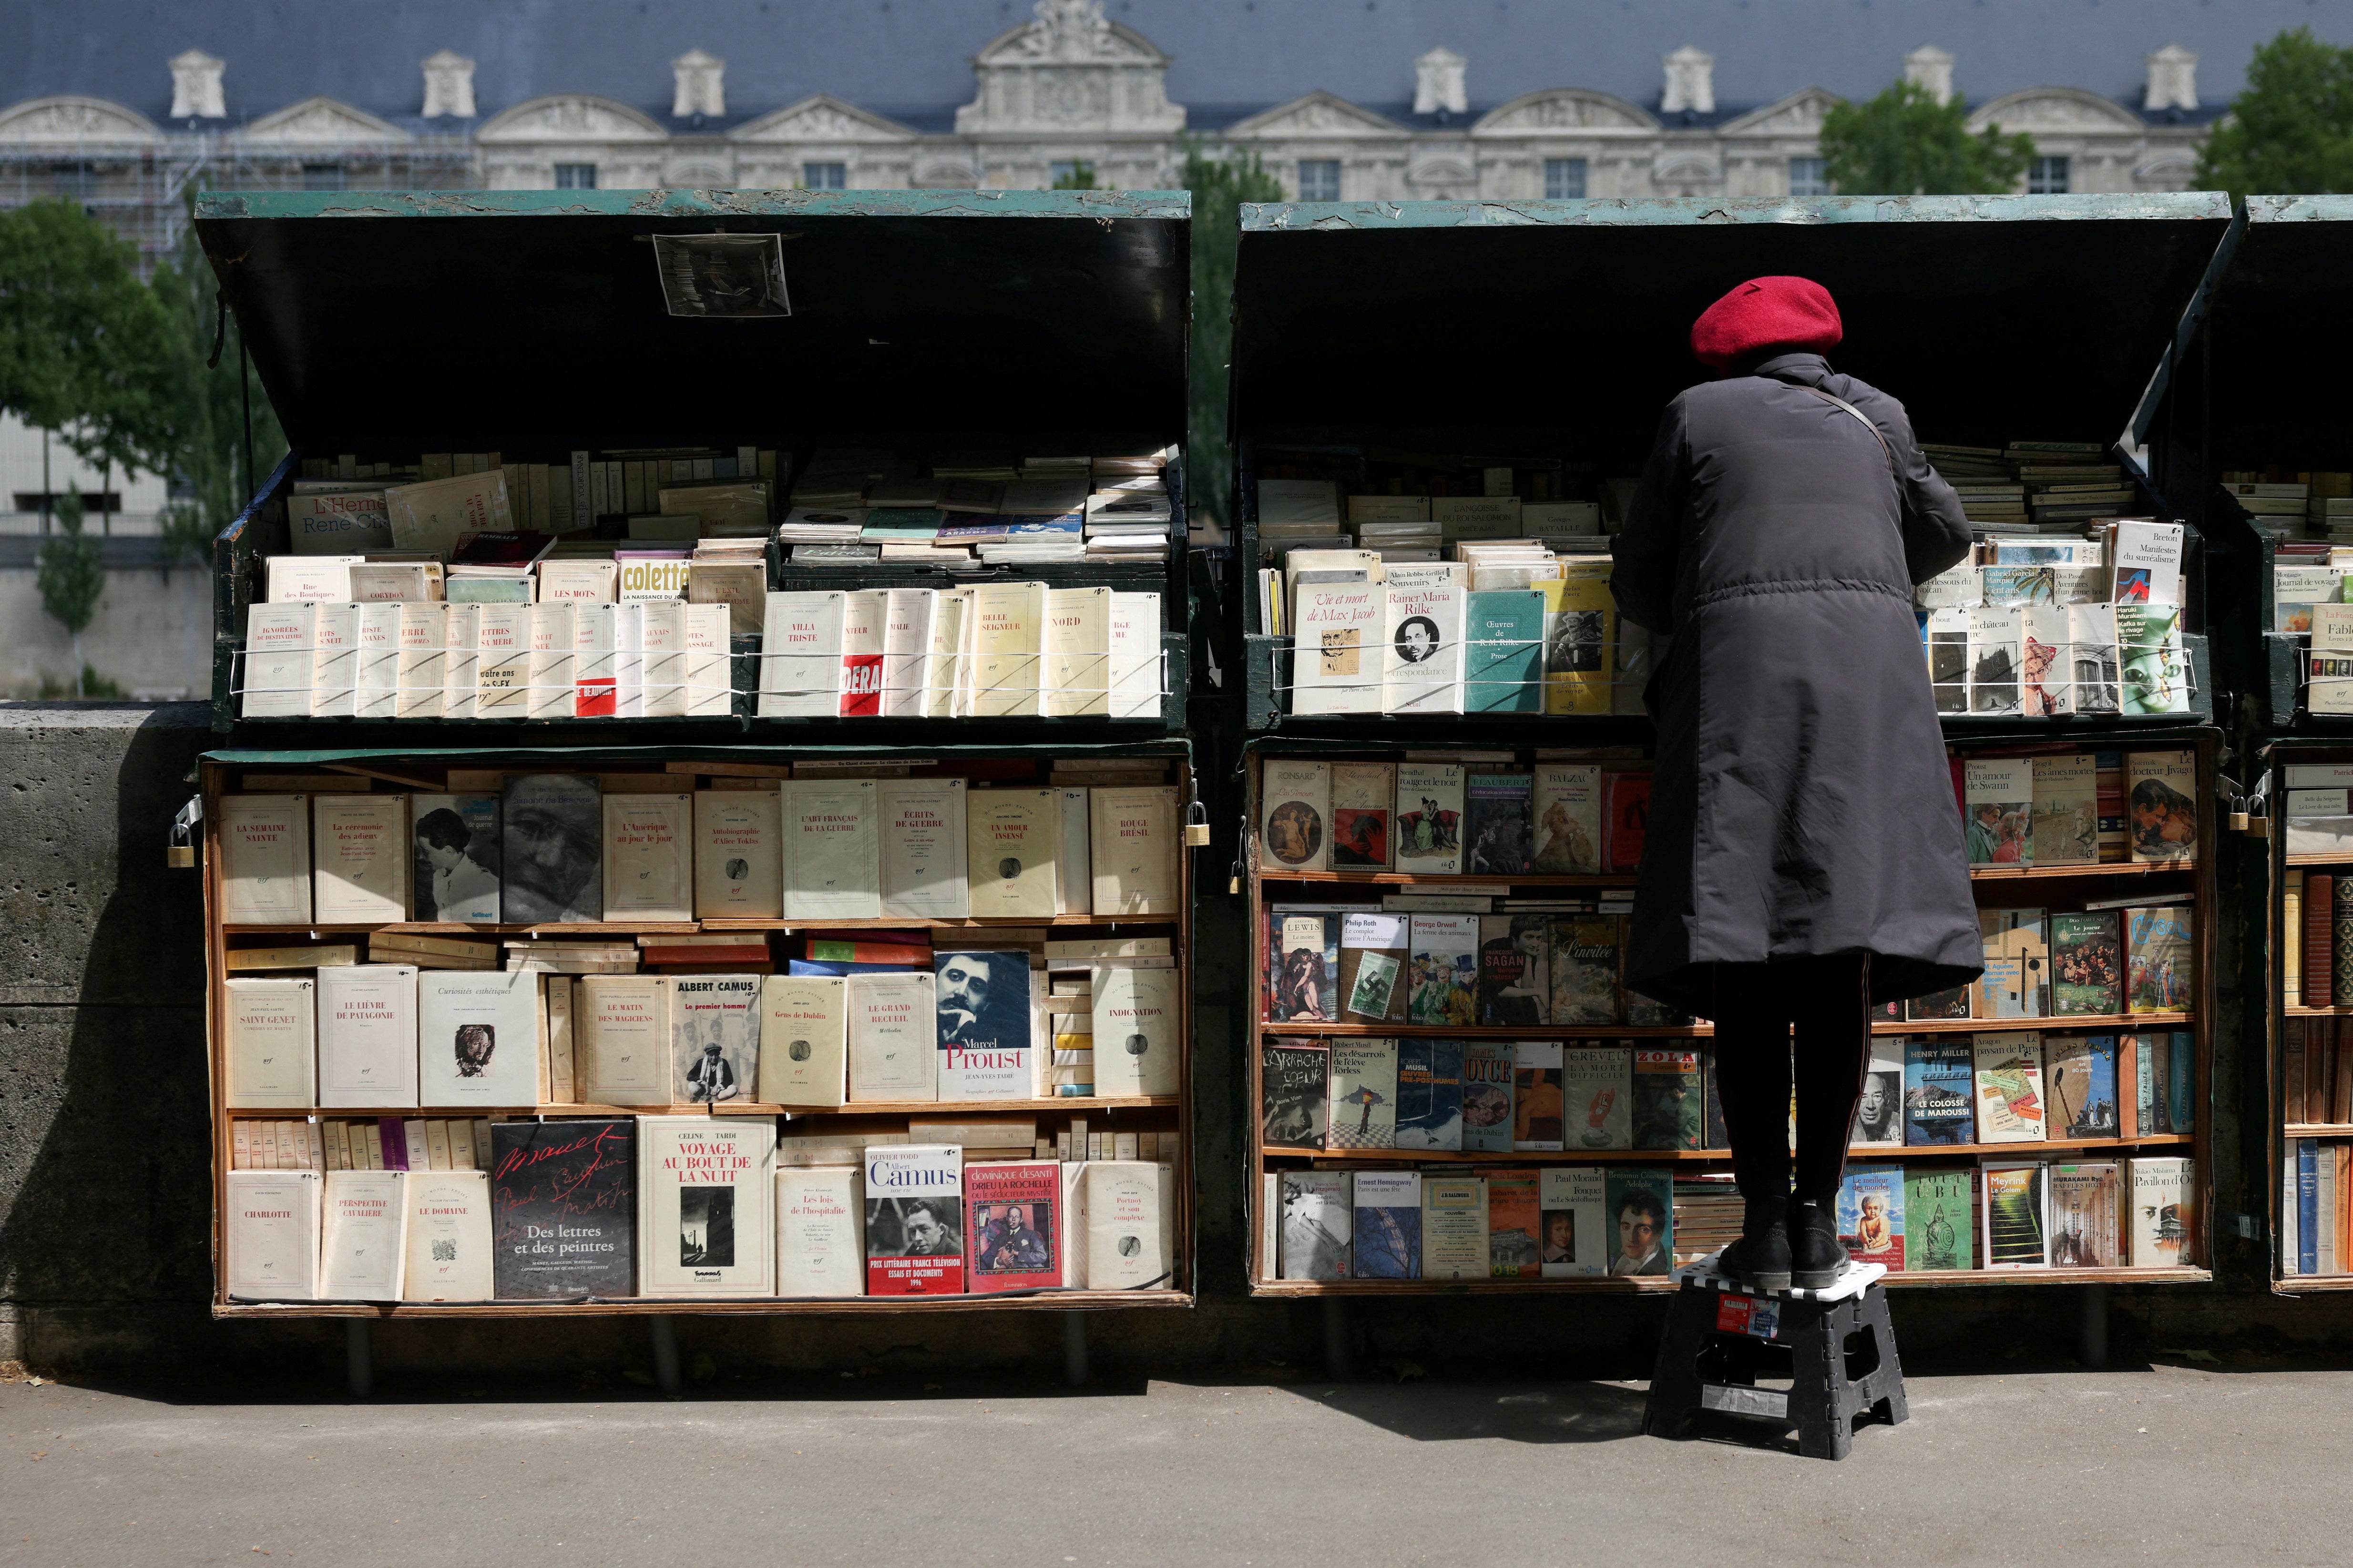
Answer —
(1225, 52)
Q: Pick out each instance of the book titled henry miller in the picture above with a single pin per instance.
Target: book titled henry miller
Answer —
(563, 1203)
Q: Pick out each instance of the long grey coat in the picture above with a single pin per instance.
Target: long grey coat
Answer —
(1803, 803)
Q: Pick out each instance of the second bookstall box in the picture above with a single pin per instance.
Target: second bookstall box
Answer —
(1430, 474)
(624, 1029)
(885, 461)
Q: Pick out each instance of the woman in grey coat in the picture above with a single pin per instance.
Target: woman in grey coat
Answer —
(1803, 859)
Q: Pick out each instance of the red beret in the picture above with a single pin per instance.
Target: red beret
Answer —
(1794, 314)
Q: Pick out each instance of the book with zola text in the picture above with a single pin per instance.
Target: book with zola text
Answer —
(1668, 1100)
(563, 1208)
(705, 1187)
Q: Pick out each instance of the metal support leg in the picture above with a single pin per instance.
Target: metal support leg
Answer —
(2092, 1334)
(1336, 1337)
(359, 1357)
(1074, 1349)
(666, 1376)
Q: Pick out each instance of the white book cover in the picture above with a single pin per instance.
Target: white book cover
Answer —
(419, 675)
(503, 635)
(1879, 1114)
(1571, 1223)
(367, 1034)
(578, 582)
(549, 676)
(986, 1024)
(893, 1029)
(278, 664)
(2147, 562)
(662, 641)
(1319, 1213)
(460, 697)
(1994, 661)
(478, 1039)
(309, 579)
(2092, 633)
(271, 1043)
(831, 868)
(801, 656)
(1074, 890)
(907, 620)
(738, 853)
(1568, 819)
(1077, 652)
(1135, 1015)
(706, 1195)
(1421, 626)
(821, 1231)
(1337, 664)
(804, 1040)
(1010, 841)
(1428, 821)
(922, 833)
(334, 669)
(943, 675)
(1136, 841)
(1127, 1247)
(448, 1252)
(622, 1038)
(1295, 816)
(265, 848)
(864, 613)
(709, 670)
(648, 856)
(366, 1239)
(2046, 662)
(360, 859)
(715, 1038)
(629, 659)
(1008, 639)
(378, 660)
(595, 677)
(2161, 1195)
(1135, 656)
(272, 1235)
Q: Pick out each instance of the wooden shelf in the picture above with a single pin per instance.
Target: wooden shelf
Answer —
(2306, 1284)
(1624, 1285)
(733, 1108)
(1475, 881)
(2316, 1130)
(1866, 1151)
(2326, 858)
(688, 928)
(2055, 1023)
(2090, 869)
(979, 922)
(1495, 1032)
(748, 1306)
(2319, 1011)
(983, 1106)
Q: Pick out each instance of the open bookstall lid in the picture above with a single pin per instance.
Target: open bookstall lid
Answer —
(1993, 318)
(2280, 337)
(450, 319)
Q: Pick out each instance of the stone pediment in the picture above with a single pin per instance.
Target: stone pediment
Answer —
(316, 120)
(1565, 109)
(1070, 69)
(1799, 114)
(2059, 109)
(821, 118)
(1317, 114)
(572, 117)
(1068, 32)
(67, 118)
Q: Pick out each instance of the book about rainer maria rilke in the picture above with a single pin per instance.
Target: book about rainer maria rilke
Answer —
(1871, 1215)
(1013, 1214)
(1939, 1106)
(563, 1198)
(914, 1219)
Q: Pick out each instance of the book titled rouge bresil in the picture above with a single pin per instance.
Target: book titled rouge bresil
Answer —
(562, 1208)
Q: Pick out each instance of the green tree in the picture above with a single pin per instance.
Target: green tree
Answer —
(73, 574)
(2291, 131)
(208, 465)
(1079, 176)
(1903, 142)
(1219, 187)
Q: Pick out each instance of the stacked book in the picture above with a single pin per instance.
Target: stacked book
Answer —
(2277, 499)
(2033, 487)
(854, 508)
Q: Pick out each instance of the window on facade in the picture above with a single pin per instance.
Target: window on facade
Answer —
(1071, 175)
(1319, 179)
(1564, 179)
(576, 176)
(1807, 179)
(73, 182)
(2046, 177)
(323, 176)
(825, 176)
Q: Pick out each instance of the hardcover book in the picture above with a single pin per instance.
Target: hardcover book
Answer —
(1567, 805)
(739, 854)
(2086, 964)
(1498, 822)
(359, 859)
(1430, 1094)
(1639, 1217)
(1514, 989)
(1598, 1096)
(893, 1037)
(265, 847)
(563, 1208)
(1318, 1221)
(1012, 1213)
(448, 1256)
(1490, 1070)
(1667, 1100)
(364, 1216)
(2159, 956)
(714, 1037)
(1937, 1217)
(2008, 1071)
(1537, 1106)
(2085, 1200)
(1871, 1215)
(1364, 799)
(551, 850)
(1586, 951)
(1445, 985)
(1430, 818)
(2163, 1211)
(1373, 951)
(1387, 1226)
(1363, 1092)
(821, 1231)
(1453, 1227)
(1292, 1075)
(1569, 1203)
(2162, 800)
(1009, 852)
(1939, 1089)
(478, 1039)
(831, 869)
(1295, 832)
(1514, 1222)
(2017, 1215)
(705, 1185)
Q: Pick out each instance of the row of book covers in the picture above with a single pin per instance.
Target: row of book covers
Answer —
(693, 1207)
(1585, 1222)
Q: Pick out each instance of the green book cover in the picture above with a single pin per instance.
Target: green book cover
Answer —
(1502, 667)
(1937, 1219)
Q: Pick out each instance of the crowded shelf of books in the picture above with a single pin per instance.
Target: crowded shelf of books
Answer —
(2311, 925)
(815, 1031)
(1456, 1090)
(713, 583)
(2307, 516)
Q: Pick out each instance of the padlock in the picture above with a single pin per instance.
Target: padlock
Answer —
(180, 856)
(180, 848)
(2240, 822)
(1196, 827)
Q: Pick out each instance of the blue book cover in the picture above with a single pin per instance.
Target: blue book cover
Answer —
(1430, 1094)
(2181, 1073)
(828, 966)
(1938, 1089)
(2307, 1206)
(1388, 1224)
(1503, 654)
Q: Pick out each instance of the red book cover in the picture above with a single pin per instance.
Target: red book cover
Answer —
(596, 698)
(1012, 1215)
(919, 940)
(914, 1219)
(2319, 913)
(1630, 818)
(862, 654)
(750, 953)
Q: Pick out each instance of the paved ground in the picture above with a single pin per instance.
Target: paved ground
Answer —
(2166, 1463)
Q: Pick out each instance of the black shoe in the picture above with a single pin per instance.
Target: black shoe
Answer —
(1817, 1256)
(1759, 1262)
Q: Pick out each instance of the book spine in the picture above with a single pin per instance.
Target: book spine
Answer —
(2289, 1245)
(2319, 911)
(2307, 1199)
(2292, 1049)
(2340, 952)
(2292, 951)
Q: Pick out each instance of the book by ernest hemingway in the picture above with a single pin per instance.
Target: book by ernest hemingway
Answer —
(1939, 1094)
(2009, 1099)
(1938, 1224)
(1537, 1106)
(1302, 963)
(1585, 960)
(1598, 1094)
(2079, 1078)
(1489, 1069)
(1871, 1215)
(1513, 1225)
(2086, 964)
(1498, 824)
(1363, 1108)
(1430, 1094)
(1514, 986)
(1292, 1078)
(1667, 1100)
(1445, 980)
(1387, 1238)
(1364, 799)
(1638, 1219)
(563, 1202)
(2159, 959)
(2083, 1212)
(1573, 1239)
(2017, 1215)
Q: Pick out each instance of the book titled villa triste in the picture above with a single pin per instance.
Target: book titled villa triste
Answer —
(830, 866)
(367, 1034)
(648, 872)
(801, 656)
(706, 1187)
(738, 854)
(804, 1040)
(265, 843)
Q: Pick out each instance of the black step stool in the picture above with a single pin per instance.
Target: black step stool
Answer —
(1722, 1336)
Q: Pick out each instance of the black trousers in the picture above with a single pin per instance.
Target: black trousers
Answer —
(1802, 1023)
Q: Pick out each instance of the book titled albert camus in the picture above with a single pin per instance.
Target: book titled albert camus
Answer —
(704, 1187)
(715, 1032)
(564, 1203)
(914, 1219)
(551, 850)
